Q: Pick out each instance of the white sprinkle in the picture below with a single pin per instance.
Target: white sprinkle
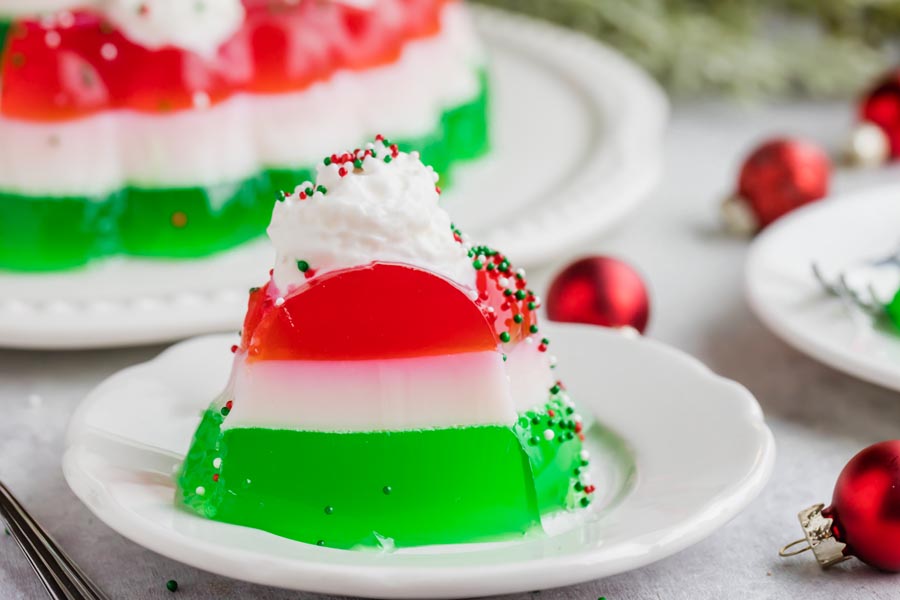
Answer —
(279, 301)
(200, 490)
(520, 272)
(52, 39)
(109, 51)
(585, 455)
(548, 434)
(217, 462)
(577, 418)
(472, 294)
(503, 282)
(537, 301)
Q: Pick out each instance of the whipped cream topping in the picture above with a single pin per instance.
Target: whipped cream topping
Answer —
(373, 205)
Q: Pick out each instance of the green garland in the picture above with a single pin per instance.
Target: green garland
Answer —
(821, 48)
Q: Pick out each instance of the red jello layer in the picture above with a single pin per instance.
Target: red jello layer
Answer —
(378, 311)
(284, 45)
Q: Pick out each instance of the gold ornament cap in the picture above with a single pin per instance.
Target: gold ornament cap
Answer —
(818, 537)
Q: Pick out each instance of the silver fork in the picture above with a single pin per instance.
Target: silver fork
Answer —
(59, 574)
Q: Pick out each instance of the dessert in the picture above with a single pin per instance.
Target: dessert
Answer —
(391, 386)
(164, 128)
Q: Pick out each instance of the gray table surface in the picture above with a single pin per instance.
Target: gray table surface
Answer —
(820, 417)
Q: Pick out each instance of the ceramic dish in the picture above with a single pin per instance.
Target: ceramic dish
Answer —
(676, 453)
(839, 235)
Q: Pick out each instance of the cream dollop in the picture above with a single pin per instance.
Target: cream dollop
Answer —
(376, 211)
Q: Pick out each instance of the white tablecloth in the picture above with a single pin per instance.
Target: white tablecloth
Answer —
(820, 417)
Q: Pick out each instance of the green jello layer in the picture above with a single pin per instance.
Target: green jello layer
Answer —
(399, 488)
(52, 233)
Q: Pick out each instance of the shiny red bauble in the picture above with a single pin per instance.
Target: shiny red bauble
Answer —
(881, 106)
(599, 290)
(781, 175)
(866, 506)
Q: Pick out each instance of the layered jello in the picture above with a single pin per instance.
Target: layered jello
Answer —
(165, 128)
(391, 386)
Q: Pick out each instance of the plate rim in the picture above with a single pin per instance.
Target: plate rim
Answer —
(780, 326)
(443, 581)
(636, 137)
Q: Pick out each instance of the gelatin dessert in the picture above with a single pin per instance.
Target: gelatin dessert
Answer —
(164, 128)
(391, 386)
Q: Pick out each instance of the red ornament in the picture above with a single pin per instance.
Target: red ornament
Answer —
(599, 290)
(864, 517)
(881, 106)
(777, 177)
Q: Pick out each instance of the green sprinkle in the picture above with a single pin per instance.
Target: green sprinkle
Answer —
(327, 160)
(504, 337)
(532, 306)
(518, 318)
(388, 158)
(545, 342)
(585, 501)
(535, 421)
(253, 290)
(507, 292)
(521, 294)
(172, 585)
(357, 164)
(387, 490)
(554, 389)
(477, 265)
(322, 188)
(320, 543)
(329, 510)
(303, 266)
(533, 440)
(225, 410)
(504, 358)
(533, 329)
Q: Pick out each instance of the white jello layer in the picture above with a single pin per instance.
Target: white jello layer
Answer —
(236, 139)
(372, 395)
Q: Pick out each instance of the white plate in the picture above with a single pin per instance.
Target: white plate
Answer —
(781, 289)
(577, 142)
(681, 452)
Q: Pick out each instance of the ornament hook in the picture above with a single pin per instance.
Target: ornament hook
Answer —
(786, 552)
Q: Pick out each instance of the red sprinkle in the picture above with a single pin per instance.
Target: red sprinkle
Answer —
(581, 436)
(309, 273)
(342, 172)
(215, 477)
(542, 348)
(229, 404)
(578, 427)
(303, 195)
(234, 348)
(589, 489)
(551, 413)
(437, 188)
